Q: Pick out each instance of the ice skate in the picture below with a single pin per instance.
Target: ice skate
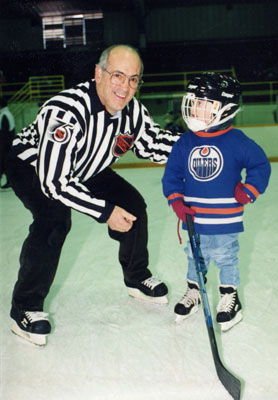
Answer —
(150, 289)
(31, 325)
(229, 308)
(189, 303)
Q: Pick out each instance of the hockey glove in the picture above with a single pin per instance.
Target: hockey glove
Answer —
(181, 210)
(240, 195)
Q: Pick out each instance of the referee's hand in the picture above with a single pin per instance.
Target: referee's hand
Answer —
(120, 220)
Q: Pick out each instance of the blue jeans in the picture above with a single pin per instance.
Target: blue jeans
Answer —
(223, 251)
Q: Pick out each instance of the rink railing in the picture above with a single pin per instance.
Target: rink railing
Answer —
(37, 90)
(161, 86)
(24, 99)
(173, 85)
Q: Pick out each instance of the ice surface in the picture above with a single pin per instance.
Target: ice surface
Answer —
(108, 346)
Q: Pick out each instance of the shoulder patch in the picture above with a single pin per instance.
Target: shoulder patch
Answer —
(60, 134)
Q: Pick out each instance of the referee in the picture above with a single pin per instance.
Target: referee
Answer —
(62, 162)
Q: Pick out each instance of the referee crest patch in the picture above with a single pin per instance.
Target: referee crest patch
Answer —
(60, 135)
(122, 144)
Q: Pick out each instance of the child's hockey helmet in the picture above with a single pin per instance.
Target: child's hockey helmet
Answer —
(218, 91)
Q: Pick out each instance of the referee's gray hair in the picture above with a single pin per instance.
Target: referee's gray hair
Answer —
(105, 55)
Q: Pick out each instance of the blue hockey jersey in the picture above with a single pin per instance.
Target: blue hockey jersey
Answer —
(203, 170)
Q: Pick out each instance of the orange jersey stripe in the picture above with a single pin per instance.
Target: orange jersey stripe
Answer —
(175, 196)
(252, 189)
(213, 134)
(222, 211)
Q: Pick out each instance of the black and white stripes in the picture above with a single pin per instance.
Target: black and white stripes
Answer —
(73, 138)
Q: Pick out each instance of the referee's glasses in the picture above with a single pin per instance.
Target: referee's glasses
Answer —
(119, 78)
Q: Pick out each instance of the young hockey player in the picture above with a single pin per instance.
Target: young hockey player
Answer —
(203, 178)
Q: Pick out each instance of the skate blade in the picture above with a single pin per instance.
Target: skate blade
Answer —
(137, 294)
(225, 326)
(33, 338)
(180, 318)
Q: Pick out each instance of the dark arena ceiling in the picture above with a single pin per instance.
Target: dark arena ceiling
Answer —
(37, 8)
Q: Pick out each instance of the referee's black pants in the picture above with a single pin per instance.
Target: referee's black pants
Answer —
(52, 221)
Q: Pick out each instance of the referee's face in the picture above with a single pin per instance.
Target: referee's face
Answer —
(115, 96)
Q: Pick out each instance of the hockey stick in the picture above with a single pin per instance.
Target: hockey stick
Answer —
(229, 381)
(201, 259)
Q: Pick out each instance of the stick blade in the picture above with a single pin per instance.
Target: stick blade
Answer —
(228, 380)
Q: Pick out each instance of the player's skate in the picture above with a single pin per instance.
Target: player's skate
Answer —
(31, 325)
(229, 308)
(189, 303)
(150, 289)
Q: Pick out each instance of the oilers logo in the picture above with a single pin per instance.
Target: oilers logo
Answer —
(205, 163)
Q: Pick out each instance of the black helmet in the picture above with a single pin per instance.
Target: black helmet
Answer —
(218, 95)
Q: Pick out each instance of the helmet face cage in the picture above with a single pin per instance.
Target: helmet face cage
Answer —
(198, 112)
(211, 100)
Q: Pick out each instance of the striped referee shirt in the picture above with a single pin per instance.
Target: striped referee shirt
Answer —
(74, 138)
